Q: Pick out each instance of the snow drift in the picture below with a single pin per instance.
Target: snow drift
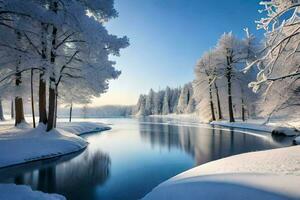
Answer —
(271, 174)
(20, 192)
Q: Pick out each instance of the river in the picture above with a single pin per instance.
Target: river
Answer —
(136, 155)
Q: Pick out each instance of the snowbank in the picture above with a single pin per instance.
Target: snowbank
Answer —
(80, 128)
(297, 140)
(26, 145)
(285, 131)
(22, 192)
(244, 125)
(272, 174)
(259, 126)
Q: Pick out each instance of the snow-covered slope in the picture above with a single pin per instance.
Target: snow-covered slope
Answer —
(27, 144)
(80, 128)
(272, 174)
(22, 192)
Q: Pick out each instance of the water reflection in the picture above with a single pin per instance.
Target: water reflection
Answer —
(79, 178)
(76, 179)
(205, 144)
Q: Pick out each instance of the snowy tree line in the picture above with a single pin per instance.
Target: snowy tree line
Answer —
(243, 77)
(94, 112)
(163, 102)
(56, 51)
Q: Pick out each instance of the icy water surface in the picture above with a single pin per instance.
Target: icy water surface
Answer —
(128, 161)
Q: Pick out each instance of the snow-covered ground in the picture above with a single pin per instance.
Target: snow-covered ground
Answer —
(37, 144)
(288, 128)
(272, 174)
(22, 192)
(244, 125)
(80, 128)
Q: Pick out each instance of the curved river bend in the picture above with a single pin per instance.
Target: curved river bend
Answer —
(128, 161)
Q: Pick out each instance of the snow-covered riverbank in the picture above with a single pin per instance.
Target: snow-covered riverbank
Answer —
(282, 128)
(272, 174)
(37, 144)
(258, 126)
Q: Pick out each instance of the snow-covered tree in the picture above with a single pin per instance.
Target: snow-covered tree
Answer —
(167, 102)
(174, 99)
(282, 26)
(205, 78)
(162, 102)
(191, 106)
(149, 106)
(230, 50)
(233, 56)
(185, 96)
(158, 102)
(278, 65)
(141, 106)
(63, 40)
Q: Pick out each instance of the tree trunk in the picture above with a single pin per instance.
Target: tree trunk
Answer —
(71, 109)
(52, 85)
(220, 116)
(42, 100)
(243, 110)
(32, 99)
(51, 109)
(12, 112)
(42, 82)
(211, 104)
(19, 111)
(229, 92)
(19, 103)
(55, 116)
(1, 111)
(18, 100)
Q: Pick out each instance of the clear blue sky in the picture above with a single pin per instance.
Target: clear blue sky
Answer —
(167, 38)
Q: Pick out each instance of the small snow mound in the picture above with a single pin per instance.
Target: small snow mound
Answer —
(80, 128)
(23, 125)
(19, 192)
(297, 140)
(285, 131)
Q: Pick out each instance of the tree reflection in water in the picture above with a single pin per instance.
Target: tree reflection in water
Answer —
(75, 179)
(204, 144)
